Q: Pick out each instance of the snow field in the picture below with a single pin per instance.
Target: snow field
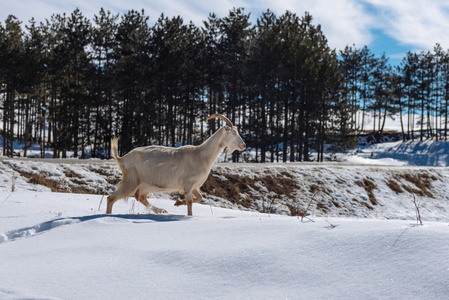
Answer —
(62, 246)
(75, 252)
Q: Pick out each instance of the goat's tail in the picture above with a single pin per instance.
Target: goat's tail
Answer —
(114, 149)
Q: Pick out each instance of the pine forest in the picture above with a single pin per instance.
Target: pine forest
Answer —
(70, 84)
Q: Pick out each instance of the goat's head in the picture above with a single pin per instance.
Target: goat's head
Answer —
(232, 138)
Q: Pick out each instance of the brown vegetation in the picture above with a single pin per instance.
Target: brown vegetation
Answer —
(322, 207)
(231, 187)
(71, 174)
(40, 179)
(421, 181)
(73, 185)
(111, 177)
(369, 186)
(394, 186)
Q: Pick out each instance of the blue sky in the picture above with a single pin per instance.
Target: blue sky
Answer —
(390, 26)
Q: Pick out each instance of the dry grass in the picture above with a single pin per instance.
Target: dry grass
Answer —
(279, 185)
(295, 211)
(421, 181)
(418, 214)
(110, 177)
(100, 171)
(369, 186)
(411, 190)
(336, 203)
(394, 186)
(366, 204)
(304, 213)
(321, 206)
(71, 174)
(231, 187)
(74, 185)
(313, 188)
(340, 181)
(55, 186)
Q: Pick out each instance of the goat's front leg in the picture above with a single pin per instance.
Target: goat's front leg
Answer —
(189, 201)
(197, 198)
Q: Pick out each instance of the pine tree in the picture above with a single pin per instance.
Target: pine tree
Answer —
(236, 31)
(12, 64)
(104, 44)
(77, 35)
(132, 46)
(262, 67)
(35, 99)
(213, 67)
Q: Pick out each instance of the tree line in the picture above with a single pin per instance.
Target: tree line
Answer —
(70, 84)
(416, 91)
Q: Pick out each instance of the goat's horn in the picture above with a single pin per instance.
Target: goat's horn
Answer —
(228, 122)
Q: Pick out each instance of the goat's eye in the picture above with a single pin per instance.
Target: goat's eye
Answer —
(228, 128)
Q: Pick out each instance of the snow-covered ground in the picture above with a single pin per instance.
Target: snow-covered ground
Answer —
(58, 246)
(360, 239)
(416, 153)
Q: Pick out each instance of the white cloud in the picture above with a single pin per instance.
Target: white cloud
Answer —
(343, 22)
(417, 24)
(420, 24)
(195, 11)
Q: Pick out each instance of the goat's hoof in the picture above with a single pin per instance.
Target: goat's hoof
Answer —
(180, 202)
(159, 211)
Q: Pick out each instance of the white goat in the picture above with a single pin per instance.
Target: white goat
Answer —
(165, 169)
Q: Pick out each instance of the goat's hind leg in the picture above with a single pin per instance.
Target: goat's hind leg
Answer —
(117, 195)
(110, 203)
(124, 189)
(142, 198)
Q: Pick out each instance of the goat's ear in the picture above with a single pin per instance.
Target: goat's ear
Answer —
(227, 128)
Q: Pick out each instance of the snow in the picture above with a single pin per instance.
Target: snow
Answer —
(63, 246)
(425, 153)
(428, 152)
(75, 252)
